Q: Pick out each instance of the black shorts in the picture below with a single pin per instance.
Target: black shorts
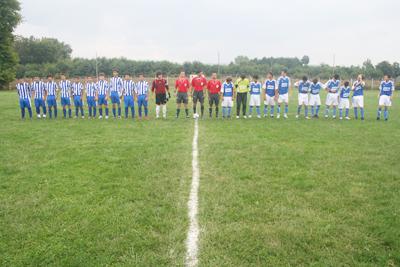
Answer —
(161, 99)
(213, 99)
(182, 98)
(198, 96)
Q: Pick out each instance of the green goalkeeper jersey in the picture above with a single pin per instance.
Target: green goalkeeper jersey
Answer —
(242, 86)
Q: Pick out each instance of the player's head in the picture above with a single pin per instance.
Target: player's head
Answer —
(182, 74)
(242, 76)
(386, 77)
(49, 77)
(89, 79)
(255, 77)
(228, 79)
(141, 77)
(214, 76)
(304, 78)
(62, 76)
(346, 84)
(284, 72)
(127, 76)
(360, 77)
(115, 73)
(36, 78)
(270, 75)
(159, 75)
(101, 75)
(336, 77)
(315, 81)
(200, 73)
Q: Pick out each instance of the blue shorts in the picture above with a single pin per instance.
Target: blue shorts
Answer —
(142, 100)
(115, 98)
(128, 101)
(51, 101)
(24, 102)
(65, 101)
(78, 101)
(39, 102)
(102, 100)
(91, 101)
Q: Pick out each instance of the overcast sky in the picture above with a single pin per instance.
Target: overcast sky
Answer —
(186, 30)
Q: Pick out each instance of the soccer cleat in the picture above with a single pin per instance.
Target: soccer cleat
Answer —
(38, 116)
(297, 116)
(362, 118)
(83, 117)
(245, 117)
(278, 115)
(307, 118)
(44, 115)
(237, 117)
(285, 116)
(326, 116)
(378, 118)
(347, 118)
(119, 117)
(386, 119)
(333, 117)
(272, 116)
(100, 117)
(265, 115)
(249, 117)
(106, 117)
(75, 117)
(340, 118)
(258, 116)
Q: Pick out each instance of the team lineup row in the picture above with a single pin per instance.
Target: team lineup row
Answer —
(272, 92)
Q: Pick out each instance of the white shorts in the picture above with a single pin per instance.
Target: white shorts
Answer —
(384, 100)
(344, 103)
(314, 100)
(227, 101)
(358, 101)
(269, 100)
(303, 99)
(332, 99)
(255, 100)
(283, 98)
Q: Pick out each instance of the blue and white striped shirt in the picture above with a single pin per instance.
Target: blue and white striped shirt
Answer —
(38, 88)
(91, 89)
(129, 87)
(51, 88)
(65, 87)
(141, 88)
(23, 90)
(116, 85)
(77, 89)
(102, 87)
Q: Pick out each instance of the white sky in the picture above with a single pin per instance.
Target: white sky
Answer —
(186, 30)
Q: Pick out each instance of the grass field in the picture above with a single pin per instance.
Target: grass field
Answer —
(272, 192)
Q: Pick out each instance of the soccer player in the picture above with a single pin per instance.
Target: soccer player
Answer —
(24, 93)
(38, 87)
(116, 93)
(242, 88)
(65, 87)
(270, 94)
(315, 99)
(304, 87)
(228, 93)
(344, 100)
(386, 90)
(181, 92)
(332, 98)
(77, 93)
(51, 99)
(214, 94)
(358, 96)
(160, 88)
(198, 84)
(128, 87)
(91, 96)
(283, 86)
(255, 96)
(142, 93)
(102, 93)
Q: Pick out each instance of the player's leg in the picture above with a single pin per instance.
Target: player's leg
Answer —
(185, 104)
(286, 100)
(64, 107)
(216, 105)
(194, 102)
(244, 103)
(81, 107)
(202, 104)
(126, 106)
(238, 104)
(178, 104)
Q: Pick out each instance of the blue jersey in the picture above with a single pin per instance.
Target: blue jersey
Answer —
(333, 86)
(255, 88)
(345, 92)
(304, 87)
(386, 88)
(23, 90)
(270, 87)
(39, 89)
(227, 89)
(283, 85)
(129, 87)
(142, 88)
(77, 89)
(102, 87)
(315, 88)
(116, 85)
(65, 87)
(51, 88)
(91, 89)
(358, 88)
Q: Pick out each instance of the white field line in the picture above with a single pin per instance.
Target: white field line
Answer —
(193, 232)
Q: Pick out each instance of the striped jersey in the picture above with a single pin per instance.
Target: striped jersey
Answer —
(270, 86)
(283, 84)
(65, 87)
(23, 90)
(142, 88)
(39, 89)
(51, 88)
(227, 89)
(333, 86)
(358, 88)
(116, 85)
(77, 89)
(315, 88)
(386, 88)
(129, 87)
(91, 89)
(102, 87)
(255, 88)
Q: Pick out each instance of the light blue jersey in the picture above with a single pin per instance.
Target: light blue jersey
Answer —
(315, 88)
(255, 88)
(333, 86)
(386, 88)
(358, 88)
(345, 92)
(304, 87)
(270, 87)
(227, 89)
(283, 85)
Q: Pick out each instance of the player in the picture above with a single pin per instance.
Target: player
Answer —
(181, 93)
(77, 93)
(228, 93)
(160, 88)
(255, 96)
(116, 93)
(38, 88)
(386, 90)
(128, 88)
(358, 96)
(24, 93)
(102, 92)
(270, 94)
(198, 84)
(242, 88)
(142, 93)
(315, 100)
(214, 94)
(65, 87)
(332, 98)
(283, 86)
(91, 96)
(304, 87)
(344, 100)
(51, 99)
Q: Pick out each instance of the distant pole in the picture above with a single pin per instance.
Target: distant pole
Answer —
(334, 64)
(218, 55)
(372, 83)
(97, 69)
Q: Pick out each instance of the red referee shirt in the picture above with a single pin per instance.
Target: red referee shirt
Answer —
(160, 86)
(214, 86)
(198, 83)
(182, 85)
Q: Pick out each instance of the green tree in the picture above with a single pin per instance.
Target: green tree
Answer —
(305, 60)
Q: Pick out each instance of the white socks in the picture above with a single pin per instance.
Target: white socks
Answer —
(164, 111)
(157, 111)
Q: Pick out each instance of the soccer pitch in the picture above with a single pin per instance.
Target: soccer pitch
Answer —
(272, 192)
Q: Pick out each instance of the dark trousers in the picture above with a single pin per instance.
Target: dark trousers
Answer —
(241, 100)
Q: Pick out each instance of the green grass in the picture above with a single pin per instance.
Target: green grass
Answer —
(272, 192)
